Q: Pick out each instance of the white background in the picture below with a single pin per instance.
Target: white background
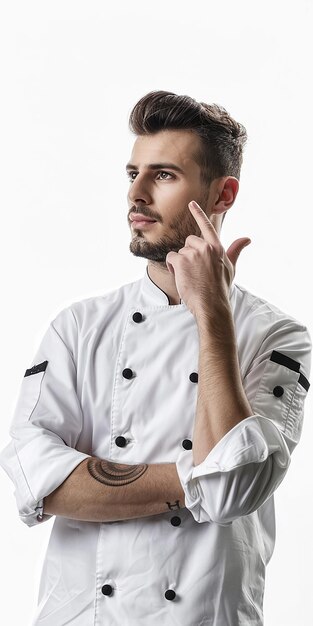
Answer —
(70, 74)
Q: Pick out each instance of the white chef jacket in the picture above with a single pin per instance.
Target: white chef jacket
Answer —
(115, 376)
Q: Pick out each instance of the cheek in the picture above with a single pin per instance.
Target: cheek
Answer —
(175, 197)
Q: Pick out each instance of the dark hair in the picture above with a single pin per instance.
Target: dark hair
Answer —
(223, 138)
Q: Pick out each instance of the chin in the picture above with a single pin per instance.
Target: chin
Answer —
(150, 255)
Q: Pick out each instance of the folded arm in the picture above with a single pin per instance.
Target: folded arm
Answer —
(103, 491)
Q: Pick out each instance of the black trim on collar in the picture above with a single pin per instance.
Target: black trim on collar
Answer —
(41, 367)
(282, 359)
(168, 300)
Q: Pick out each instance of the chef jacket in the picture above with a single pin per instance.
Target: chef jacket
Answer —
(115, 376)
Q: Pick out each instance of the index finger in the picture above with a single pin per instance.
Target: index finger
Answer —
(208, 231)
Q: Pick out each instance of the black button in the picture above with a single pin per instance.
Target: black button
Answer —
(175, 521)
(187, 444)
(278, 391)
(121, 442)
(170, 594)
(137, 317)
(107, 590)
(193, 377)
(127, 373)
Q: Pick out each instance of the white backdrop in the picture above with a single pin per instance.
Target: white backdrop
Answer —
(71, 71)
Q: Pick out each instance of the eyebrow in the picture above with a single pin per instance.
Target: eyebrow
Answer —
(157, 166)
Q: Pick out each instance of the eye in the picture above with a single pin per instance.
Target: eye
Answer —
(131, 179)
(167, 174)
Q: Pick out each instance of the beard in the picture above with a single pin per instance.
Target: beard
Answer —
(156, 251)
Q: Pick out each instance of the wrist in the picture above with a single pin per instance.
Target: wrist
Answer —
(216, 326)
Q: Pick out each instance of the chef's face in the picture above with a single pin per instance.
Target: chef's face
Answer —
(158, 191)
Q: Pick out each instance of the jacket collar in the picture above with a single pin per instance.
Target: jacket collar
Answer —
(154, 295)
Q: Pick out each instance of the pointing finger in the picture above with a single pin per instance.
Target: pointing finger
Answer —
(207, 229)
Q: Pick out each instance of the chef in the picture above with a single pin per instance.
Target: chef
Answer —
(157, 420)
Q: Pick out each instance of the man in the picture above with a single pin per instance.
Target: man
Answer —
(156, 421)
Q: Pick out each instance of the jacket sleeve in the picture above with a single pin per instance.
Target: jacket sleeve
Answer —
(46, 424)
(246, 466)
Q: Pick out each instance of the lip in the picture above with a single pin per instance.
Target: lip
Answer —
(142, 223)
(138, 217)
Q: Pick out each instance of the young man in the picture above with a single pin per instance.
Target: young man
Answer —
(156, 421)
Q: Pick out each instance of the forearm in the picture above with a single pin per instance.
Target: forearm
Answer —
(104, 491)
(221, 401)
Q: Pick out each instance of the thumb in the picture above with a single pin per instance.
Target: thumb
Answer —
(236, 248)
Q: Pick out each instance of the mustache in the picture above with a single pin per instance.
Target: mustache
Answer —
(142, 211)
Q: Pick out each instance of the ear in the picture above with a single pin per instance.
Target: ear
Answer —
(226, 191)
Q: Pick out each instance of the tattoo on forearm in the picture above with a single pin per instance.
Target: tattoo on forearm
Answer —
(174, 505)
(115, 474)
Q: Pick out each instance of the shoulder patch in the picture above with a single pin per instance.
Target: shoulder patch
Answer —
(283, 359)
(41, 367)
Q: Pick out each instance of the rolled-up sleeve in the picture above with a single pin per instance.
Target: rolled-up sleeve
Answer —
(247, 465)
(46, 424)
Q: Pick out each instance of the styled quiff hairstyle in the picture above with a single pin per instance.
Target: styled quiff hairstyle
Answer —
(223, 138)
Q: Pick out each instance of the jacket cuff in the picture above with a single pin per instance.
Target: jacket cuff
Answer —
(253, 440)
(32, 483)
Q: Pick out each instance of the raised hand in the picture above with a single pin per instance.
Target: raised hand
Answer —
(203, 270)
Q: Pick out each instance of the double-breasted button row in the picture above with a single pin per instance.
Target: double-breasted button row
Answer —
(107, 590)
(128, 373)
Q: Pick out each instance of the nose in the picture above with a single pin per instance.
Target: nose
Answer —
(138, 192)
